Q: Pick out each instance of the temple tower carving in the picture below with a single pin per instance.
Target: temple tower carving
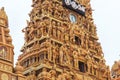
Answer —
(61, 43)
(7, 70)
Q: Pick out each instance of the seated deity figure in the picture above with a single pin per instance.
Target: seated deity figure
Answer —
(52, 74)
(44, 75)
(45, 8)
(64, 75)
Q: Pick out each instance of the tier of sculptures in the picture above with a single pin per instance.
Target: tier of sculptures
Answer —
(51, 37)
(65, 33)
(52, 74)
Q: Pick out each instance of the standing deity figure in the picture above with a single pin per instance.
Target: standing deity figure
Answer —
(54, 53)
(54, 29)
(62, 33)
(45, 26)
(75, 56)
(58, 31)
(71, 33)
(66, 56)
(39, 29)
(61, 54)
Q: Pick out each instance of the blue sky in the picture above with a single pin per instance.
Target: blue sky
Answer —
(106, 16)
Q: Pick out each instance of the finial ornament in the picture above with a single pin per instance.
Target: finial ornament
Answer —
(3, 17)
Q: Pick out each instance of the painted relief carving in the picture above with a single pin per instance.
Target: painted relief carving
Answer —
(64, 39)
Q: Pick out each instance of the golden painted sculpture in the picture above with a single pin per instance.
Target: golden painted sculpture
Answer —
(115, 71)
(62, 35)
(61, 43)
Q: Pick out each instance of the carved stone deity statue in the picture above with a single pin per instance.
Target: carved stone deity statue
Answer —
(75, 56)
(107, 72)
(54, 29)
(53, 74)
(66, 56)
(32, 76)
(64, 75)
(39, 29)
(55, 53)
(58, 31)
(57, 13)
(45, 8)
(44, 75)
(61, 54)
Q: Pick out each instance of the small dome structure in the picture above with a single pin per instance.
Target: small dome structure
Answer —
(18, 68)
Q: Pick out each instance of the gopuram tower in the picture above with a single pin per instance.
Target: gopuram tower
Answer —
(7, 70)
(61, 43)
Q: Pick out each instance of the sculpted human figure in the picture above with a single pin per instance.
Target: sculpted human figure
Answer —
(76, 76)
(65, 75)
(45, 8)
(91, 45)
(50, 29)
(44, 75)
(39, 29)
(44, 26)
(71, 33)
(76, 29)
(75, 56)
(54, 29)
(58, 31)
(47, 21)
(61, 13)
(27, 31)
(65, 32)
(33, 77)
(54, 53)
(84, 41)
(38, 5)
(62, 33)
(98, 48)
(64, 16)
(66, 56)
(107, 72)
(61, 77)
(48, 47)
(61, 54)
(31, 35)
(53, 74)
(57, 13)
